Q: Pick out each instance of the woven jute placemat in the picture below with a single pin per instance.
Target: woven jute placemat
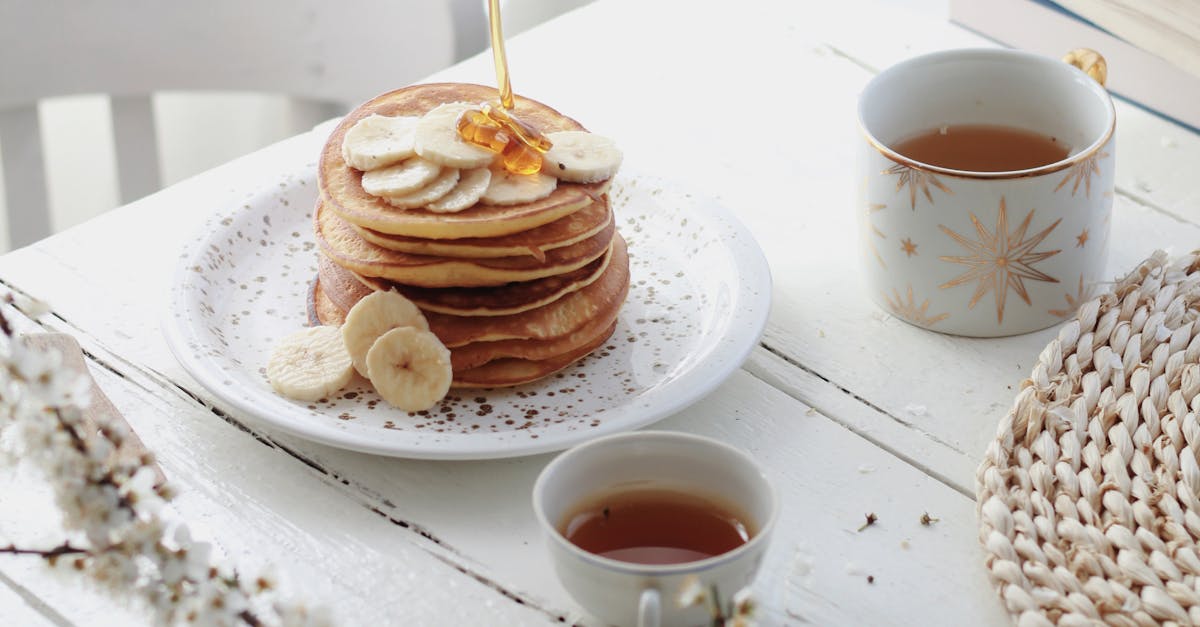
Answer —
(1089, 498)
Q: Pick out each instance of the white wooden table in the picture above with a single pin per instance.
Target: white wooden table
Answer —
(852, 410)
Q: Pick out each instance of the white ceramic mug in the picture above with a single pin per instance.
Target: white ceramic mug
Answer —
(625, 593)
(984, 254)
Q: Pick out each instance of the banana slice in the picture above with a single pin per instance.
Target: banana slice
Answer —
(374, 315)
(436, 188)
(437, 139)
(310, 364)
(581, 157)
(377, 141)
(403, 178)
(470, 188)
(409, 368)
(507, 188)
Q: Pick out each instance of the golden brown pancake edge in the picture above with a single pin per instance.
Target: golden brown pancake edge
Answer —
(344, 246)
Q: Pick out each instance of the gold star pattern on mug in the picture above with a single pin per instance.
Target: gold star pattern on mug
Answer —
(999, 260)
(871, 230)
(907, 309)
(908, 247)
(916, 180)
(1082, 173)
(1073, 301)
(1081, 239)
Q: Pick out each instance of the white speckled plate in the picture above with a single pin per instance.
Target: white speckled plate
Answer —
(697, 305)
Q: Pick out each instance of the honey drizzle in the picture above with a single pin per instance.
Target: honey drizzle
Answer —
(501, 60)
(531, 137)
(479, 129)
(520, 145)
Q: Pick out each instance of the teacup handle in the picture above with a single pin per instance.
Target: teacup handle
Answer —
(1091, 62)
(649, 609)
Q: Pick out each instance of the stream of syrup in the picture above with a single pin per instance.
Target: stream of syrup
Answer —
(520, 145)
(501, 60)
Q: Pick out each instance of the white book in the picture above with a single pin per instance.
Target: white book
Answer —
(1168, 87)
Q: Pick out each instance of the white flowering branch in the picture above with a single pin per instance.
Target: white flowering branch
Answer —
(738, 612)
(112, 504)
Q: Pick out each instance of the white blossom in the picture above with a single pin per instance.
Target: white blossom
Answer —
(743, 603)
(692, 593)
(46, 380)
(115, 505)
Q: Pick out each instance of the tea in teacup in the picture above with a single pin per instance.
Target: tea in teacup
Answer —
(983, 148)
(656, 526)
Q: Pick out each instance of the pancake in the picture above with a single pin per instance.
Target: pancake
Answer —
(497, 373)
(321, 310)
(345, 288)
(555, 320)
(549, 322)
(564, 231)
(341, 185)
(501, 300)
(478, 353)
(509, 372)
(343, 245)
(341, 286)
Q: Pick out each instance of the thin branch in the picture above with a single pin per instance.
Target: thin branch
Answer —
(65, 548)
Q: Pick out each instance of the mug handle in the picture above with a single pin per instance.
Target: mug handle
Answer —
(1091, 62)
(649, 609)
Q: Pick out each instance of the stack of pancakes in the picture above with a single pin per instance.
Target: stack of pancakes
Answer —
(515, 292)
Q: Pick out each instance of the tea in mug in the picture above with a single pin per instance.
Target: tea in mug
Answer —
(655, 526)
(983, 148)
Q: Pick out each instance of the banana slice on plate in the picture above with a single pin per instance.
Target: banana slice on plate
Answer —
(409, 368)
(437, 139)
(405, 177)
(377, 141)
(581, 157)
(507, 188)
(470, 188)
(310, 364)
(371, 317)
(436, 188)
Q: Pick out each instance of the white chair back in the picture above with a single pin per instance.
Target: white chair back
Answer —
(311, 50)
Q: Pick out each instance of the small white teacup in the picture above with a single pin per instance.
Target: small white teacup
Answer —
(985, 253)
(628, 593)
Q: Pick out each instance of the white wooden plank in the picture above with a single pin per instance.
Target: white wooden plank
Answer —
(136, 143)
(24, 176)
(900, 435)
(80, 158)
(19, 607)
